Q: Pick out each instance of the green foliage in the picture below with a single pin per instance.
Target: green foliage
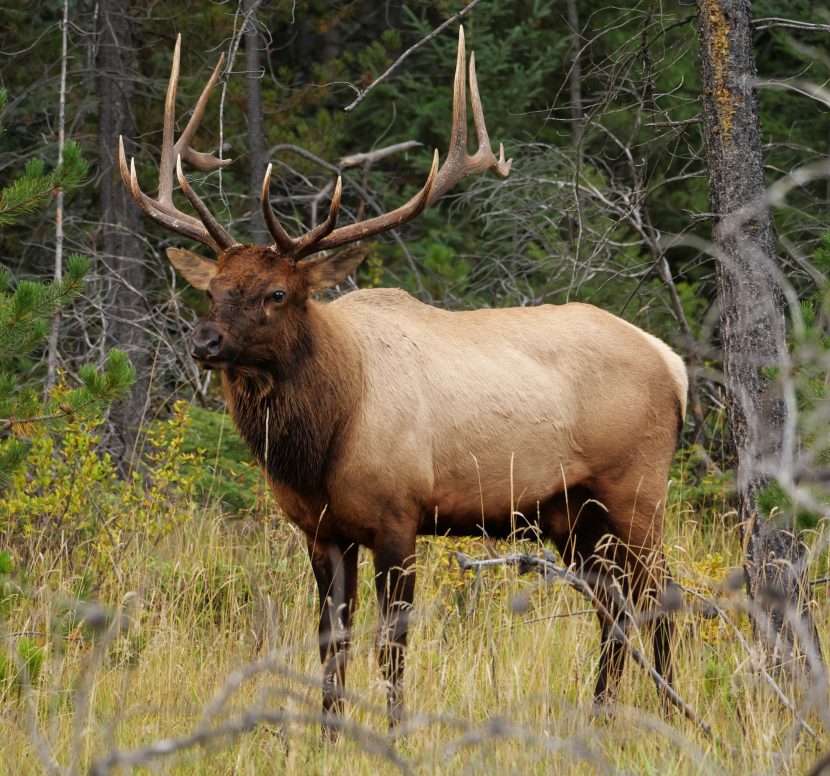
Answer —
(697, 485)
(219, 462)
(810, 354)
(449, 273)
(23, 666)
(31, 191)
(25, 309)
(70, 500)
(9, 589)
(774, 499)
(25, 662)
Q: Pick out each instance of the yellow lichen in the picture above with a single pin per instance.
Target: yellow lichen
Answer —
(718, 45)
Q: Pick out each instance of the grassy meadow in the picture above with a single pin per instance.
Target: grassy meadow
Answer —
(179, 637)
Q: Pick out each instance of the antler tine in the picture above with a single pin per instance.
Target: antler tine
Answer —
(215, 229)
(168, 159)
(206, 229)
(499, 166)
(291, 247)
(282, 239)
(203, 162)
(308, 240)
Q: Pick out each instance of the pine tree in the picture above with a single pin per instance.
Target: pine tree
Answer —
(25, 309)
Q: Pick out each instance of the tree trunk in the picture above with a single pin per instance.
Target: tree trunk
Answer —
(575, 79)
(120, 257)
(253, 114)
(55, 331)
(752, 322)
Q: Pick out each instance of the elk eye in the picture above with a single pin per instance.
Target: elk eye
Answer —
(278, 296)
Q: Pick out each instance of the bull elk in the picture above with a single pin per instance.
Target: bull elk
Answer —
(377, 418)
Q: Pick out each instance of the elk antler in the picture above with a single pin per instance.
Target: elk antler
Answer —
(205, 229)
(457, 166)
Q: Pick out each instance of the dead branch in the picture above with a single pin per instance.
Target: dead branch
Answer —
(548, 568)
(370, 157)
(794, 24)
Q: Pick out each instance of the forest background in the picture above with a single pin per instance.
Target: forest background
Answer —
(608, 202)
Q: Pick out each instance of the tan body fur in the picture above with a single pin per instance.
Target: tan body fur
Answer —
(543, 399)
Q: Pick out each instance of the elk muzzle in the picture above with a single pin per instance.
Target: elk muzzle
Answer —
(209, 345)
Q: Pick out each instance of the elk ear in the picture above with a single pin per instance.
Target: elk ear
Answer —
(327, 271)
(196, 270)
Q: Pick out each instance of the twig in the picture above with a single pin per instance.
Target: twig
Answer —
(557, 616)
(499, 727)
(6, 424)
(616, 632)
(785, 701)
(680, 123)
(397, 63)
(795, 24)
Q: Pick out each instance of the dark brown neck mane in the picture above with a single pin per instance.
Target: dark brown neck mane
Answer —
(290, 413)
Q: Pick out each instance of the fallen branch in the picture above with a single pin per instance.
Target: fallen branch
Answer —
(548, 567)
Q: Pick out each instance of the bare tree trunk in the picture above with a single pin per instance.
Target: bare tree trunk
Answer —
(121, 251)
(253, 116)
(752, 318)
(576, 73)
(54, 332)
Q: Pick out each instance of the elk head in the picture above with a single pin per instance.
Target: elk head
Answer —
(259, 294)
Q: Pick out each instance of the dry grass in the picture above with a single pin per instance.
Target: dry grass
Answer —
(489, 690)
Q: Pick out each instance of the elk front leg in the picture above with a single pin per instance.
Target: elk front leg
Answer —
(395, 583)
(335, 569)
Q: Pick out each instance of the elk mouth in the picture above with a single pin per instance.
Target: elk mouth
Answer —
(213, 364)
(223, 359)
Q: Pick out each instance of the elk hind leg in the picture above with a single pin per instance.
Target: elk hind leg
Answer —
(637, 527)
(578, 525)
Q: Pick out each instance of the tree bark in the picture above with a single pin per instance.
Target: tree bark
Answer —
(752, 323)
(253, 114)
(120, 256)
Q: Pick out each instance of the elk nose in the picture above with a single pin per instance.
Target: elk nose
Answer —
(206, 342)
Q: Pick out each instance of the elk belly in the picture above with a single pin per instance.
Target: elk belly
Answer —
(500, 502)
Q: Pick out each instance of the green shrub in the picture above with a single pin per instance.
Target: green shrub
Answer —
(221, 463)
